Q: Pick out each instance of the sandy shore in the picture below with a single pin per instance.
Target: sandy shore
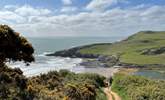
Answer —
(107, 72)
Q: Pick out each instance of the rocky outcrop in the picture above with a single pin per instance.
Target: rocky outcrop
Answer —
(129, 65)
(94, 60)
(75, 52)
(101, 61)
(93, 63)
(153, 51)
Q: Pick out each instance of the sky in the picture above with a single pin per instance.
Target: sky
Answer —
(102, 18)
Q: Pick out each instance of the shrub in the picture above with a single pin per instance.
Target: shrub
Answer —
(72, 92)
(138, 88)
(21, 82)
(14, 47)
(4, 91)
(5, 78)
(64, 72)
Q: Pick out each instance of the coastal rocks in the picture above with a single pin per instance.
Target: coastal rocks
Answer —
(153, 51)
(109, 60)
(75, 52)
(129, 65)
(93, 63)
(90, 60)
(65, 53)
(79, 55)
(101, 61)
(105, 59)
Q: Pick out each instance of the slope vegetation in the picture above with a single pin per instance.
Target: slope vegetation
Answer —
(145, 47)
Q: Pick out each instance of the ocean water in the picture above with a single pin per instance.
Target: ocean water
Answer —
(42, 46)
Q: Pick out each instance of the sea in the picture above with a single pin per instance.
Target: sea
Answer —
(46, 45)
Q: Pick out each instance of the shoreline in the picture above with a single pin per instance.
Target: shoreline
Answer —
(106, 72)
(113, 59)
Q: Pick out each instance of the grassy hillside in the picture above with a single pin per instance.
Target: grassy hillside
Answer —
(131, 87)
(131, 50)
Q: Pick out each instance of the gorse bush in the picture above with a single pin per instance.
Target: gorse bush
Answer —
(66, 85)
(13, 85)
(82, 92)
(138, 88)
(13, 46)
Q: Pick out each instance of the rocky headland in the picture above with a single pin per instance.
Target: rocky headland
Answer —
(144, 49)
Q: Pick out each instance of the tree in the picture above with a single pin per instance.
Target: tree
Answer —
(14, 47)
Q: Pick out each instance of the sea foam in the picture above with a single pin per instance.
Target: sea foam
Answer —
(44, 64)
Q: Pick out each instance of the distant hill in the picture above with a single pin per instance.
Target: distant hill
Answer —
(144, 48)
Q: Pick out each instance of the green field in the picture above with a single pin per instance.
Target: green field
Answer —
(130, 49)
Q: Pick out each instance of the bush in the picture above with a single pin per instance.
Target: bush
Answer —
(80, 92)
(4, 91)
(5, 78)
(66, 85)
(64, 72)
(21, 82)
(138, 88)
(14, 47)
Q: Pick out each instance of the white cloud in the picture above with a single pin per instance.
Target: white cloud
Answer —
(27, 10)
(67, 2)
(9, 16)
(112, 22)
(68, 9)
(100, 5)
(10, 7)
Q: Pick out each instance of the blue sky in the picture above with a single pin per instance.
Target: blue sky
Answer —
(57, 4)
(54, 4)
(40, 18)
(49, 4)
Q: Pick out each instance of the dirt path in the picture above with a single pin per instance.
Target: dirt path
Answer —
(111, 95)
(107, 92)
(115, 95)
